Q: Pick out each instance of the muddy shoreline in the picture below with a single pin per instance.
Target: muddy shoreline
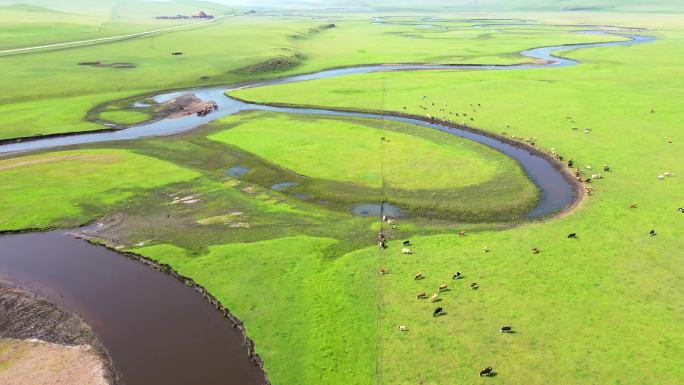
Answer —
(26, 316)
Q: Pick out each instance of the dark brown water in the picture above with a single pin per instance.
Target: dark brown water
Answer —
(157, 330)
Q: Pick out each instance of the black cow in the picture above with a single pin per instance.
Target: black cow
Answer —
(486, 372)
(437, 312)
(681, 209)
(506, 329)
(407, 243)
(572, 235)
(474, 285)
(457, 275)
(652, 233)
(571, 163)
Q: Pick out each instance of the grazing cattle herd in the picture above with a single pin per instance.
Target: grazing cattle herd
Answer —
(421, 295)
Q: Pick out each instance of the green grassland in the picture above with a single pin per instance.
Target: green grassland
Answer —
(315, 315)
(50, 190)
(597, 310)
(344, 160)
(80, 185)
(34, 23)
(48, 92)
(602, 309)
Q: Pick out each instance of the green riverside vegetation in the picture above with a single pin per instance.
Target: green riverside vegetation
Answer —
(301, 270)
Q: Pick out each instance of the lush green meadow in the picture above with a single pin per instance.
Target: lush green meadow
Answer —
(600, 309)
(48, 92)
(344, 160)
(302, 271)
(54, 189)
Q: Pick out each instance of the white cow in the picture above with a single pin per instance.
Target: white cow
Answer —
(406, 251)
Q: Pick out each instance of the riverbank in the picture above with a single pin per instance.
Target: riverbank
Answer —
(156, 329)
(42, 343)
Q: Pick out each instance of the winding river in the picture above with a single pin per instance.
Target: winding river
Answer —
(556, 192)
(156, 329)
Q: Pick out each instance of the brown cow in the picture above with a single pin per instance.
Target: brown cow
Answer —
(421, 295)
(443, 288)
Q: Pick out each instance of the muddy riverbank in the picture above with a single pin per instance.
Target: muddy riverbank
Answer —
(26, 316)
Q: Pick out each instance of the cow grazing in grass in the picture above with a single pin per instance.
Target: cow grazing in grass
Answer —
(485, 249)
(457, 275)
(633, 206)
(572, 235)
(486, 372)
(443, 288)
(474, 285)
(407, 243)
(383, 271)
(418, 277)
(434, 298)
(652, 233)
(661, 177)
(535, 250)
(596, 176)
(506, 329)
(421, 295)
(403, 328)
(681, 210)
(406, 251)
(606, 168)
(462, 233)
(437, 311)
